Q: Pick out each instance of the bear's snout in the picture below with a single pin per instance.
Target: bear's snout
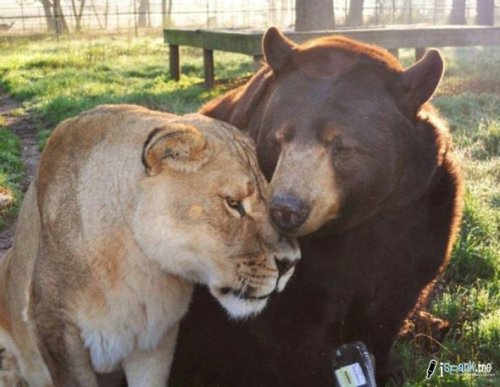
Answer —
(288, 212)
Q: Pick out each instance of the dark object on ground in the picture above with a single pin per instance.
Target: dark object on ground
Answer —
(362, 169)
(353, 366)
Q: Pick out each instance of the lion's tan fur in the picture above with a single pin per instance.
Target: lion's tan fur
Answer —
(107, 248)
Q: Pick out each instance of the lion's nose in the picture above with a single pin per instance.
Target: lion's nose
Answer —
(285, 265)
(288, 212)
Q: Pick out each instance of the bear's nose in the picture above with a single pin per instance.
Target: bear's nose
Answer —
(285, 265)
(288, 212)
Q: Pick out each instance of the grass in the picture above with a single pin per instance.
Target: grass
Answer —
(469, 99)
(58, 80)
(11, 173)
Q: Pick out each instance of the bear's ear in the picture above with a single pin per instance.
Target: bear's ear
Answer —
(420, 81)
(180, 147)
(276, 48)
(238, 106)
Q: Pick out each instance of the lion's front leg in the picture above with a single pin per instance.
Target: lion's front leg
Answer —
(151, 368)
(64, 353)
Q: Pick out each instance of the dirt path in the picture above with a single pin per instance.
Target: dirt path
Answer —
(25, 128)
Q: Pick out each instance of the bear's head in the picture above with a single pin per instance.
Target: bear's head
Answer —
(342, 130)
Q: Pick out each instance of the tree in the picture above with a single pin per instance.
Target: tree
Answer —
(49, 18)
(457, 15)
(144, 14)
(97, 14)
(60, 20)
(77, 13)
(166, 11)
(54, 16)
(355, 16)
(106, 14)
(313, 15)
(485, 12)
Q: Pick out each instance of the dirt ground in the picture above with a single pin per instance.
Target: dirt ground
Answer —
(25, 128)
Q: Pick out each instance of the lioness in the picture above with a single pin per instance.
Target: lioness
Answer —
(130, 207)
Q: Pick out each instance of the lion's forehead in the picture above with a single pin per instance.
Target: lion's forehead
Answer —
(239, 150)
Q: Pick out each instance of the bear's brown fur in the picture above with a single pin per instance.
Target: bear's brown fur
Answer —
(361, 167)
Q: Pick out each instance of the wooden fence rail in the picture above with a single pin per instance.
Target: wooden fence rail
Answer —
(249, 42)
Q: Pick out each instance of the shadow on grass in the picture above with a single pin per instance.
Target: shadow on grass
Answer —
(179, 101)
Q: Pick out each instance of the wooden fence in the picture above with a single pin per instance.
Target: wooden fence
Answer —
(249, 42)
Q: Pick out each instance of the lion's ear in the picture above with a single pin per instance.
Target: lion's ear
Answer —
(182, 148)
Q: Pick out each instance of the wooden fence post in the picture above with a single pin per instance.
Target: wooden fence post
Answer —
(419, 53)
(208, 65)
(173, 55)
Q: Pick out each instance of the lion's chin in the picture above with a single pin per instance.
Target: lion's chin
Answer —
(238, 307)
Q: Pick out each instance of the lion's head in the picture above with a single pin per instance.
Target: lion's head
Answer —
(129, 208)
(202, 213)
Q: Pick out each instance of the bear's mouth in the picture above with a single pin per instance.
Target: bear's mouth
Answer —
(245, 295)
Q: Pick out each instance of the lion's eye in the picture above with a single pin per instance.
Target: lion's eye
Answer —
(236, 205)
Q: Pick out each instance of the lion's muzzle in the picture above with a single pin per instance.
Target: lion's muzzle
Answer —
(252, 291)
(240, 304)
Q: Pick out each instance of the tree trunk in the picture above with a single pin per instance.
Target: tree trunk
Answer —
(485, 12)
(106, 15)
(143, 14)
(96, 14)
(60, 20)
(49, 18)
(355, 16)
(458, 12)
(78, 14)
(166, 12)
(311, 15)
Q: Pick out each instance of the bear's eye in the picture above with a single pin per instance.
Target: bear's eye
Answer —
(236, 205)
(275, 144)
(338, 146)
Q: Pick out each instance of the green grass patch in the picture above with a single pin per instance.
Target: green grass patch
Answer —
(469, 98)
(11, 173)
(57, 80)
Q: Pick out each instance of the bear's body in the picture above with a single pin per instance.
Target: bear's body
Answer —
(362, 170)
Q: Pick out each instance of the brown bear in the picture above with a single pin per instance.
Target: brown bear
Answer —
(361, 168)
